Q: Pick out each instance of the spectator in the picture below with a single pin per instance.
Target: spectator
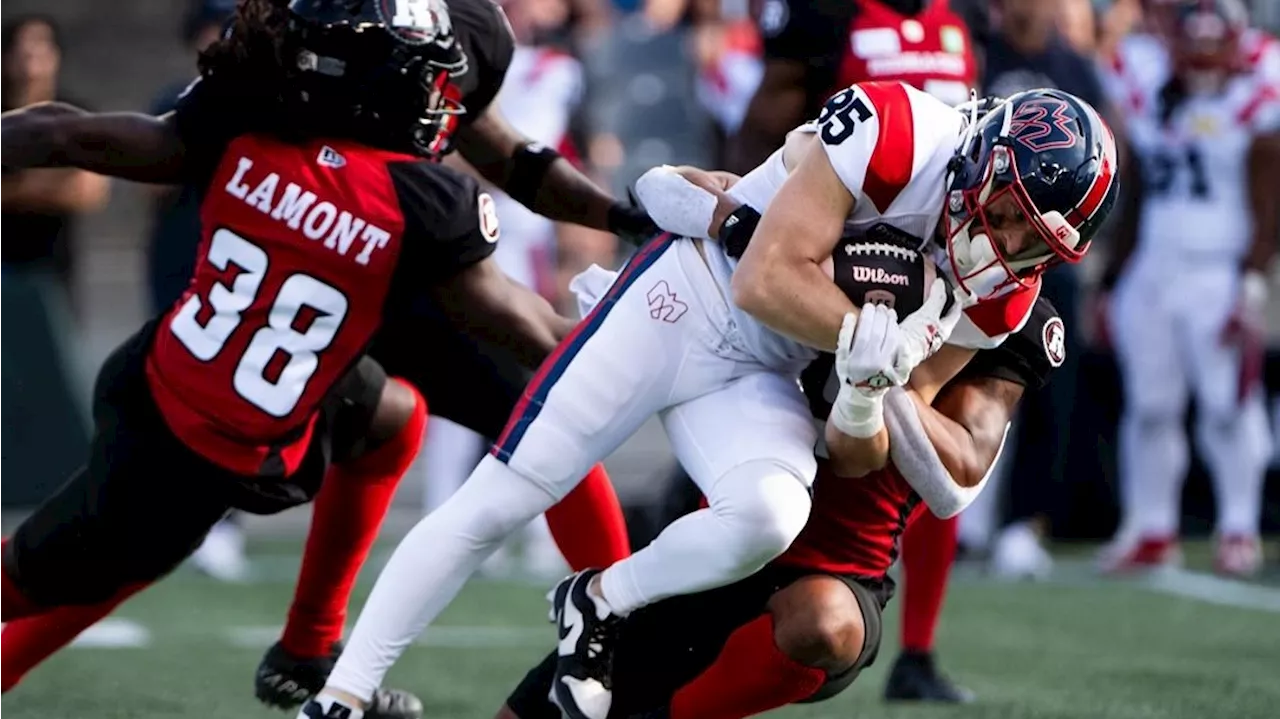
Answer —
(1028, 50)
(171, 255)
(40, 206)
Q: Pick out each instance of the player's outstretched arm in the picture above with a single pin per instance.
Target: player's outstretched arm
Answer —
(492, 306)
(540, 179)
(780, 279)
(130, 145)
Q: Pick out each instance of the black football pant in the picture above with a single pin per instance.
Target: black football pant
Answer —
(144, 501)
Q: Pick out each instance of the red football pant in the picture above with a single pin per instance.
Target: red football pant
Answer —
(928, 551)
(348, 512)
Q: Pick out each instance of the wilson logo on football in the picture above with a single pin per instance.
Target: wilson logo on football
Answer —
(877, 276)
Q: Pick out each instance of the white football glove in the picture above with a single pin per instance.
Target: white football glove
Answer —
(865, 351)
(924, 331)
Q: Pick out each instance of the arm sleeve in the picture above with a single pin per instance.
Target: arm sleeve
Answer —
(1027, 357)
(449, 224)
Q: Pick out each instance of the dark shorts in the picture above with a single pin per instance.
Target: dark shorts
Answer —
(463, 379)
(666, 645)
(144, 501)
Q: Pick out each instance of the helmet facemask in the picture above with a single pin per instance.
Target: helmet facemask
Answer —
(978, 263)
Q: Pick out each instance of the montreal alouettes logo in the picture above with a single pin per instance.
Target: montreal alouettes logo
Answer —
(878, 276)
(1055, 341)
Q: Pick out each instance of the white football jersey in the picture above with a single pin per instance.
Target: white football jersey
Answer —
(1196, 204)
(890, 144)
(541, 90)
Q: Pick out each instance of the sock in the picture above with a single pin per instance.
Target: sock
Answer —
(756, 510)
(27, 642)
(588, 525)
(348, 512)
(928, 551)
(1236, 449)
(1154, 456)
(13, 603)
(430, 566)
(751, 676)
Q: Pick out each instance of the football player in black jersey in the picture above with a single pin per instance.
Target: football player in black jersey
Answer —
(804, 627)
(296, 70)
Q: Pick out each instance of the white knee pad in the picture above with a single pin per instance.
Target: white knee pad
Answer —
(764, 504)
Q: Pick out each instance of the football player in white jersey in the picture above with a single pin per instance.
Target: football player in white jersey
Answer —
(1187, 313)
(540, 93)
(679, 335)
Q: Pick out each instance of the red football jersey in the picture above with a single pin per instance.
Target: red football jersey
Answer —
(844, 42)
(302, 245)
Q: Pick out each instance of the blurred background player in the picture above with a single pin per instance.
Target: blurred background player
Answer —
(811, 49)
(539, 96)
(1187, 313)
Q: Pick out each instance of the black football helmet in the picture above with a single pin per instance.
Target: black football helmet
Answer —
(384, 65)
(1056, 157)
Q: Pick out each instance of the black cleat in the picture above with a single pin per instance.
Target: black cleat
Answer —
(583, 687)
(915, 677)
(284, 681)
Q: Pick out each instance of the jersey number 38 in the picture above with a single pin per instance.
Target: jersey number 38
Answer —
(280, 359)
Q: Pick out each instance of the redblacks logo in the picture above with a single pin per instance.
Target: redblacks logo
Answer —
(877, 276)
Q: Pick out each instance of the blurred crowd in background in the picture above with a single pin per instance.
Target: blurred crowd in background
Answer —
(620, 86)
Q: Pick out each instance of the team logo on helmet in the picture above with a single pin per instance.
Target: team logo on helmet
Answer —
(416, 22)
(1043, 124)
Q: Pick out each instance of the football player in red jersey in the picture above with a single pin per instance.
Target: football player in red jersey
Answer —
(324, 208)
(804, 627)
(812, 49)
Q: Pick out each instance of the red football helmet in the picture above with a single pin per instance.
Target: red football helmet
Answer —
(1203, 35)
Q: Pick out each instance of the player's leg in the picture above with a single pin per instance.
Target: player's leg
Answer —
(1153, 450)
(137, 510)
(749, 448)
(928, 552)
(372, 428)
(618, 367)
(478, 386)
(1231, 424)
(820, 632)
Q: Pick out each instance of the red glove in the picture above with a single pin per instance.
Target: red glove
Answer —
(1246, 329)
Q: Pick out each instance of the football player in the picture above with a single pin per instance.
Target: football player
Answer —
(723, 342)
(323, 208)
(815, 48)
(465, 375)
(1189, 275)
(803, 628)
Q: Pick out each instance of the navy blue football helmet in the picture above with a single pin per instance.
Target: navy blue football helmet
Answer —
(1056, 157)
(387, 64)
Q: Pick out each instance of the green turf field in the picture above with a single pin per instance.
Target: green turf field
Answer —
(1071, 648)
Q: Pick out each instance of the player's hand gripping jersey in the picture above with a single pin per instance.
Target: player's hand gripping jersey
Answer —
(303, 246)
